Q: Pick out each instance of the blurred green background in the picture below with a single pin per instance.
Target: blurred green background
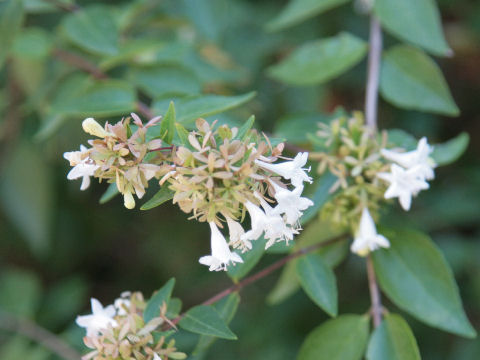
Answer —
(59, 246)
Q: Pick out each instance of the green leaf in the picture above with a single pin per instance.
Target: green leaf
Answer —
(450, 151)
(174, 307)
(297, 11)
(245, 128)
(205, 320)
(182, 135)
(11, 19)
(93, 29)
(164, 194)
(162, 295)
(33, 44)
(319, 61)
(20, 292)
(109, 194)
(416, 277)
(105, 98)
(162, 80)
(226, 308)
(318, 281)
(411, 80)
(343, 338)
(393, 340)
(167, 126)
(191, 108)
(250, 259)
(415, 21)
(401, 138)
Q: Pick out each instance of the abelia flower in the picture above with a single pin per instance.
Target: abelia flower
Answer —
(236, 231)
(290, 203)
(258, 221)
(90, 126)
(99, 320)
(221, 255)
(83, 166)
(367, 239)
(290, 170)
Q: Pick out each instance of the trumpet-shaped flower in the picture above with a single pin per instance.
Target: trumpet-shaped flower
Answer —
(83, 168)
(258, 220)
(221, 255)
(291, 170)
(99, 319)
(404, 184)
(275, 229)
(290, 203)
(418, 158)
(236, 231)
(156, 357)
(367, 239)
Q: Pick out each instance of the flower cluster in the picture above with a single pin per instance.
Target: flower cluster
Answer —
(216, 174)
(118, 331)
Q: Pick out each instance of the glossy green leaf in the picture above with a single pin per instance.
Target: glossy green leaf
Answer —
(105, 98)
(11, 19)
(343, 338)
(319, 61)
(416, 277)
(167, 126)
(411, 80)
(164, 194)
(32, 43)
(205, 320)
(393, 340)
(182, 135)
(191, 108)
(163, 80)
(174, 307)
(20, 292)
(245, 128)
(297, 11)
(109, 194)
(93, 29)
(401, 138)
(318, 281)
(450, 151)
(158, 298)
(250, 259)
(415, 21)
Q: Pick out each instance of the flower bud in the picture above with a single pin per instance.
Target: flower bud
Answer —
(128, 199)
(90, 126)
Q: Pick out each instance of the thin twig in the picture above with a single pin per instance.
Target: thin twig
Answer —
(264, 272)
(38, 334)
(373, 73)
(63, 6)
(374, 293)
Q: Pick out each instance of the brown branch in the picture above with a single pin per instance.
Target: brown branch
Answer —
(374, 293)
(38, 334)
(264, 272)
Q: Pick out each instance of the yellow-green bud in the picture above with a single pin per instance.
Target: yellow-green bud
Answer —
(90, 126)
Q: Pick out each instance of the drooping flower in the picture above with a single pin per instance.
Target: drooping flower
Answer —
(236, 231)
(83, 166)
(367, 239)
(90, 126)
(404, 184)
(290, 203)
(99, 319)
(221, 255)
(291, 170)
(156, 357)
(258, 222)
(418, 158)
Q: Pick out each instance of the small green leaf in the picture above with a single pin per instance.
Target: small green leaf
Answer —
(450, 151)
(162, 295)
(174, 307)
(245, 128)
(167, 126)
(164, 194)
(182, 134)
(343, 338)
(411, 80)
(401, 138)
(109, 194)
(33, 44)
(93, 29)
(319, 61)
(297, 11)
(393, 340)
(415, 276)
(105, 98)
(318, 281)
(250, 259)
(415, 21)
(205, 320)
(191, 108)
(11, 19)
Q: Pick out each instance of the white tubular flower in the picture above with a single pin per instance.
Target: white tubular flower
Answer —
(258, 222)
(81, 168)
(418, 158)
(221, 255)
(367, 239)
(99, 319)
(404, 184)
(120, 305)
(236, 232)
(290, 203)
(156, 357)
(291, 170)
(90, 126)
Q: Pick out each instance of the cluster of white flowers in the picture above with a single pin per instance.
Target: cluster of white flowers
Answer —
(409, 172)
(279, 223)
